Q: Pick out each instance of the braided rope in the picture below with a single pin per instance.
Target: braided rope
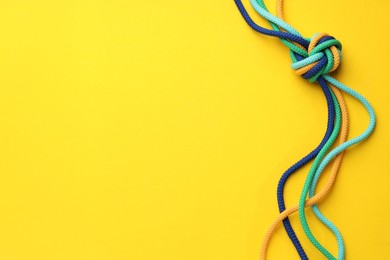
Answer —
(325, 190)
(310, 63)
(294, 46)
(334, 56)
(313, 178)
(314, 72)
(323, 55)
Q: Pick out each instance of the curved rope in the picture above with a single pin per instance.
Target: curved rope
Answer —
(325, 190)
(323, 56)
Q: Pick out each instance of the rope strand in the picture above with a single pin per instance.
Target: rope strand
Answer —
(322, 194)
(313, 59)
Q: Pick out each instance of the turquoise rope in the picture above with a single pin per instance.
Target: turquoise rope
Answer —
(260, 7)
(338, 150)
(308, 182)
(309, 60)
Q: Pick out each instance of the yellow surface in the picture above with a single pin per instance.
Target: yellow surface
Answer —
(158, 130)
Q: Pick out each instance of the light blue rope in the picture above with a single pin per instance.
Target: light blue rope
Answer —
(338, 150)
(307, 61)
(262, 10)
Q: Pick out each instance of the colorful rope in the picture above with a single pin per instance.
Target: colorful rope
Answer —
(303, 67)
(330, 181)
(323, 219)
(297, 54)
(313, 59)
(322, 194)
(335, 167)
(314, 176)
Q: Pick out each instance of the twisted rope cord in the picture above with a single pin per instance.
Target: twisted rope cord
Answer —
(338, 158)
(313, 168)
(312, 179)
(303, 67)
(322, 194)
(342, 147)
(294, 46)
(333, 153)
(336, 164)
(317, 72)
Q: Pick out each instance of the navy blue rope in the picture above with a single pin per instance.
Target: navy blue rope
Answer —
(282, 182)
(322, 62)
(331, 112)
(282, 35)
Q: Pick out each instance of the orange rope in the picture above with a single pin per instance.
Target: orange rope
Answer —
(337, 161)
(325, 190)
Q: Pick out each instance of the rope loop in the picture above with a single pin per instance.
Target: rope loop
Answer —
(323, 57)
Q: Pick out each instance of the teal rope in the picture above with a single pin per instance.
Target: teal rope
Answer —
(328, 158)
(260, 7)
(312, 181)
(275, 22)
(310, 177)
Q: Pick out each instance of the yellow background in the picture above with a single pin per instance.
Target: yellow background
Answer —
(158, 130)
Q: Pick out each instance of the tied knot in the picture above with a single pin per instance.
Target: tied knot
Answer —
(323, 56)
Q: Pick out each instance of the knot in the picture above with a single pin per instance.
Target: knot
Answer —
(323, 57)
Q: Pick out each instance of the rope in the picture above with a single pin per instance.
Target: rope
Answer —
(313, 178)
(322, 194)
(323, 55)
(301, 51)
(313, 74)
(303, 67)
